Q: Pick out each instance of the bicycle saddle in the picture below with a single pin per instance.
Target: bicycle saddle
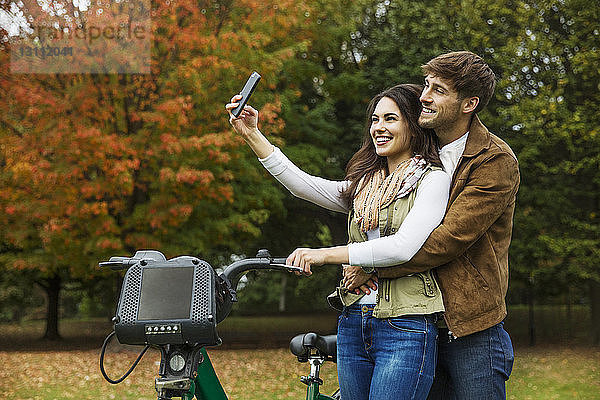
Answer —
(302, 344)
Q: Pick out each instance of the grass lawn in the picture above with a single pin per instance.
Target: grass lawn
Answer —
(245, 374)
(539, 373)
(255, 363)
(559, 372)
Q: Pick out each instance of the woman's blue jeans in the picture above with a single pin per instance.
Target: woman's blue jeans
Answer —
(391, 358)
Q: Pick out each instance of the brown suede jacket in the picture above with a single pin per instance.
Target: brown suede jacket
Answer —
(470, 247)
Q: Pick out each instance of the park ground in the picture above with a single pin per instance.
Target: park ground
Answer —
(254, 363)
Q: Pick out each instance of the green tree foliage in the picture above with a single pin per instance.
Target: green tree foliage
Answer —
(546, 56)
(320, 90)
(551, 86)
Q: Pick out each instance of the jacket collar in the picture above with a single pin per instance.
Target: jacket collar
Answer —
(479, 138)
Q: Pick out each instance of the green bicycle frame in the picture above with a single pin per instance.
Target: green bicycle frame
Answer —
(312, 393)
(313, 381)
(206, 385)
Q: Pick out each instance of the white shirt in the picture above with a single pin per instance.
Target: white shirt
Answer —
(451, 153)
(426, 214)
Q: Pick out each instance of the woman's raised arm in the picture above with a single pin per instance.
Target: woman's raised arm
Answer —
(322, 192)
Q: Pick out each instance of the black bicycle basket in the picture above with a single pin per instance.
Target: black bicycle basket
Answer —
(167, 302)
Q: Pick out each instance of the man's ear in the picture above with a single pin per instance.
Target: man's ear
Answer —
(470, 104)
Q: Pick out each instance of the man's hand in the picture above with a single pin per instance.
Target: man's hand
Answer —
(356, 280)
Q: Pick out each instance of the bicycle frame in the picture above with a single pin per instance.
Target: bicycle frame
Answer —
(313, 381)
(313, 394)
(206, 385)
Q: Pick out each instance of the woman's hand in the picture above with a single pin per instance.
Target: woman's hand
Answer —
(247, 122)
(246, 125)
(306, 258)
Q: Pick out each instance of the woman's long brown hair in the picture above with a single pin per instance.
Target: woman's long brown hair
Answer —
(365, 162)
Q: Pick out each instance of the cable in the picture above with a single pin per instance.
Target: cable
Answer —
(135, 363)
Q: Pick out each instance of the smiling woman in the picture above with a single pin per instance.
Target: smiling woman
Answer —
(390, 133)
(402, 106)
(395, 194)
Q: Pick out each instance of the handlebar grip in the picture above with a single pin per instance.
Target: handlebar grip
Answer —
(112, 264)
(281, 263)
(117, 263)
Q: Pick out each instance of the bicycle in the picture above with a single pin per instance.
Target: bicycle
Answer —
(182, 326)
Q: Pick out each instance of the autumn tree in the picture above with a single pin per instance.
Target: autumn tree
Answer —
(100, 164)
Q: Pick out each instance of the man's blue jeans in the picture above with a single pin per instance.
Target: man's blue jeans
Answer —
(379, 359)
(473, 367)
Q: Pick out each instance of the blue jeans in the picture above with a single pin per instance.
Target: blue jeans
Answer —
(379, 359)
(473, 367)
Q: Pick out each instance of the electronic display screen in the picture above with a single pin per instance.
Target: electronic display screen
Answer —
(166, 293)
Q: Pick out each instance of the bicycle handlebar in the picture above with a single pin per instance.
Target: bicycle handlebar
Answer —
(118, 263)
(227, 282)
(234, 271)
(121, 263)
(262, 261)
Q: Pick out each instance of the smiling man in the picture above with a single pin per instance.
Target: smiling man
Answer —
(469, 250)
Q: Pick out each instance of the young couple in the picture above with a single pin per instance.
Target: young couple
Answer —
(430, 199)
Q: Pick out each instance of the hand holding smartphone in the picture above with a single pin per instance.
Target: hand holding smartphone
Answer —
(246, 92)
(247, 127)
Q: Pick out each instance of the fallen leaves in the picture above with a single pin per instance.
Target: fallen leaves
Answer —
(245, 374)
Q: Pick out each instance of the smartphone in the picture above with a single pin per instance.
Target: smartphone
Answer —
(246, 93)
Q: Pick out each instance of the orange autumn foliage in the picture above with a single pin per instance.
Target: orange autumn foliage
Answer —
(99, 164)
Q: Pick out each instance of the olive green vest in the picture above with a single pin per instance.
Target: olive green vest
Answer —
(413, 294)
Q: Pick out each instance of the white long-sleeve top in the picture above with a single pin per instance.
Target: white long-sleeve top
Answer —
(425, 215)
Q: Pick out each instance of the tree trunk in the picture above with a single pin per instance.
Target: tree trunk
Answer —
(282, 293)
(530, 301)
(52, 287)
(569, 314)
(595, 310)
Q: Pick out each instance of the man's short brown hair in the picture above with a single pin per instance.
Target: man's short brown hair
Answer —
(469, 75)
